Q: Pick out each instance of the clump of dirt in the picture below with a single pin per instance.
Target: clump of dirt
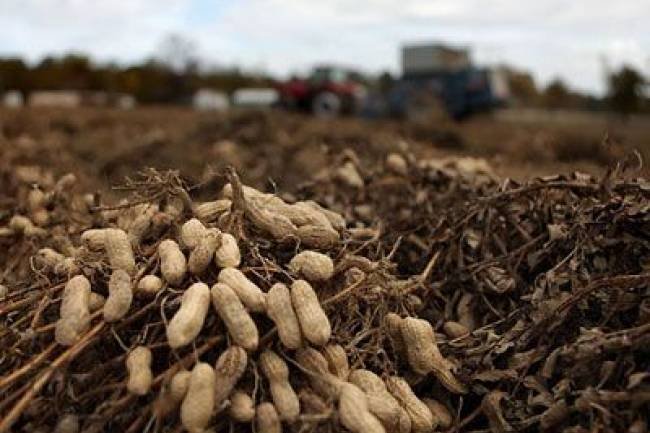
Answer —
(504, 306)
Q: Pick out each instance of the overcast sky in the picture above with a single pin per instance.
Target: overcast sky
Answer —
(552, 38)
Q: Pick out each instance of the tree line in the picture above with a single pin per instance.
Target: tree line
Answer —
(626, 93)
(160, 81)
(152, 81)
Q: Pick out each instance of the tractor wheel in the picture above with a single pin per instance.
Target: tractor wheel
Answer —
(424, 106)
(326, 105)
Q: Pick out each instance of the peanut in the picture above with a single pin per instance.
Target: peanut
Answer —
(397, 164)
(188, 320)
(67, 423)
(211, 210)
(277, 225)
(119, 250)
(120, 296)
(312, 265)
(95, 302)
(191, 232)
(63, 244)
(301, 214)
(56, 262)
(454, 329)
(110, 215)
(198, 404)
(421, 417)
(125, 213)
(368, 381)
(404, 423)
(94, 239)
(267, 419)
(380, 402)
(171, 394)
(335, 219)
(23, 225)
(247, 291)
(638, 426)
(423, 354)
(284, 397)
(179, 385)
(138, 365)
(393, 324)
(174, 207)
(203, 253)
(439, 412)
(413, 302)
(31, 174)
(239, 323)
(281, 312)
(141, 224)
(337, 360)
(228, 254)
(251, 194)
(36, 202)
(242, 407)
(314, 324)
(19, 223)
(317, 236)
(172, 262)
(349, 175)
(419, 340)
(229, 368)
(324, 383)
(65, 183)
(312, 403)
(74, 311)
(354, 412)
(135, 215)
(149, 285)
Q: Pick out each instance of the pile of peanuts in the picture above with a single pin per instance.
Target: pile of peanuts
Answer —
(301, 349)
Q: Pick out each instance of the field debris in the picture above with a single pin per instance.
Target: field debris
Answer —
(389, 296)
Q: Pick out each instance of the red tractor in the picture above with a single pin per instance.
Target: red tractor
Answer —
(327, 92)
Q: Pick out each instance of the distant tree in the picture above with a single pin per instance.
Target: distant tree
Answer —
(625, 90)
(178, 52)
(556, 95)
(385, 82)
(13, 75)
(522, 87)
(151, 81)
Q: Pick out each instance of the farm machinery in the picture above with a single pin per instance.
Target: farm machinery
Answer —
(434, 78)
(328, 91)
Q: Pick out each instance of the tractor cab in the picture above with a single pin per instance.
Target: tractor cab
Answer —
(328, 91)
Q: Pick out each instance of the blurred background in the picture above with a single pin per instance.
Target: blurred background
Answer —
(533, 87)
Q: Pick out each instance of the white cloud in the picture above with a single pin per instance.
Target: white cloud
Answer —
(550, 37)
(115, 29)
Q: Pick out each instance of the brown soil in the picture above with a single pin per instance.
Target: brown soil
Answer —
(535, 292)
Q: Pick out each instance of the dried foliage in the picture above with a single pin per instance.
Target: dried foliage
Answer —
(538, 293)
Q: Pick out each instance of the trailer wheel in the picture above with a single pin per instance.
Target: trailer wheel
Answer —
(326, 105)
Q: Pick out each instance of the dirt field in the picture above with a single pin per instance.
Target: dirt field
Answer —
(344, 276)
(106, 145)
